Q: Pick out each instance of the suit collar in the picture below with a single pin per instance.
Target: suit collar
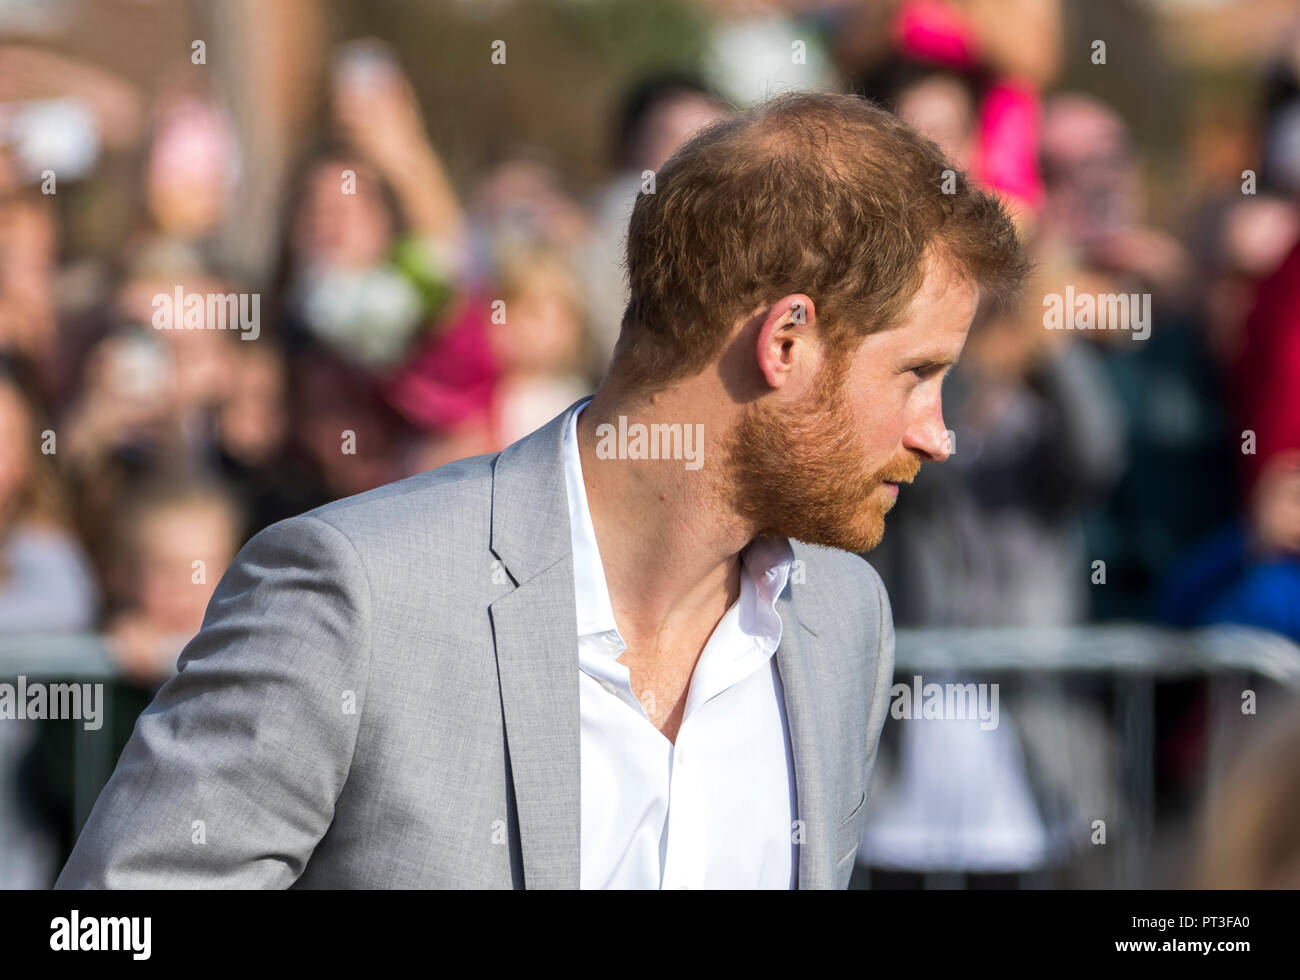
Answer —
(530, 509)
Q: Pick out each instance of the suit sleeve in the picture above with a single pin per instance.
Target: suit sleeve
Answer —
(231, 776)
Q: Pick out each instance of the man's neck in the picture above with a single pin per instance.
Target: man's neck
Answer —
(669, 544)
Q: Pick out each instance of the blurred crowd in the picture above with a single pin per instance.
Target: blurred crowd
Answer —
(402, 322)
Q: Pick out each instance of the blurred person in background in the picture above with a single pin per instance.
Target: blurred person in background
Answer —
(1169, 389)
(374, 110)
(523, 197)
(191, 168)
(363, 317)
(656, 115)
(1093, 208)
(172, 541)
(374, 237)
(380, 342)
(46, 586)
(28, 261)
(341, 283)
(1004, 53)
(341, 426)
(61, 118)
(939, 103)
(537, 340)
(1249, 571)
(1238, 242)
(45, 581)
(257, 457)
(446, 393)
(384, 322)
(149, 396)
(1265, 373)
(1173, 385)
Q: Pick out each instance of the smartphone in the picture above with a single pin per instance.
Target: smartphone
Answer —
(364, 66)
(140, 367)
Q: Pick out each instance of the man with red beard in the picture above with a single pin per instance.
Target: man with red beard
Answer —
(564, 666)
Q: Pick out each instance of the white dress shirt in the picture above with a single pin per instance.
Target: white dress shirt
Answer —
(717, 809)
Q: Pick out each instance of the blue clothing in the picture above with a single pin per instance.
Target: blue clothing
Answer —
(1221, 582)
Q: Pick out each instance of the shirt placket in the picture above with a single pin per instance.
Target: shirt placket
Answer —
(684, 857)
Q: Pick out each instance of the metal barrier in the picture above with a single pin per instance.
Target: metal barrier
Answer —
(1131, 657)
(70, 657)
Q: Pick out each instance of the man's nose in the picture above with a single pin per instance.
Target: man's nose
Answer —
(928, 436)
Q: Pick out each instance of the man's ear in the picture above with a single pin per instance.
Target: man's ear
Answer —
(784, 337)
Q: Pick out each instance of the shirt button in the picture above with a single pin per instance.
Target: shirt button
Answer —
(680, 756)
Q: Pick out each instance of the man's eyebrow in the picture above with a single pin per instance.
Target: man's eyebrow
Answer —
(934, 359)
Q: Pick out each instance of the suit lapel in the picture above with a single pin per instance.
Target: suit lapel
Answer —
(535, 631)
(537, 662)
(802, 697)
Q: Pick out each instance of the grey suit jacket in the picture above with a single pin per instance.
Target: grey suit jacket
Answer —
(384, 694)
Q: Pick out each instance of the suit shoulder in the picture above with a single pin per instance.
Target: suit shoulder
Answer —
(841, 593)
(843, 565)
(436, 494)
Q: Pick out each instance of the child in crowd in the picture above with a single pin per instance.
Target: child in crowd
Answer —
(174, 542)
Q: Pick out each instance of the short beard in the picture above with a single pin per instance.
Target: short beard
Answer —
(798, 474)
